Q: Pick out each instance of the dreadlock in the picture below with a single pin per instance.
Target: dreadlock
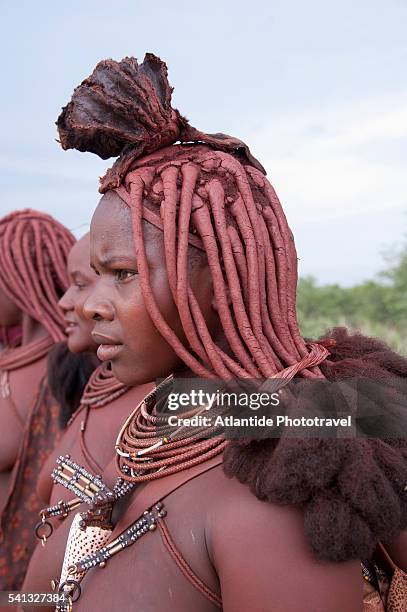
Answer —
(213, 194)
(33, 251)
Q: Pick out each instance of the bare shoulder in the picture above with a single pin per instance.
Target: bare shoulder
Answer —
(261, 555)
(24, 385)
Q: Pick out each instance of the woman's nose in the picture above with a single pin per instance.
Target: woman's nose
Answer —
(65, 303)
(96, 308)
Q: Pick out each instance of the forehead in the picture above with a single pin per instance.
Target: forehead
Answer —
(110, 229)
(111, 232)
(78, 258)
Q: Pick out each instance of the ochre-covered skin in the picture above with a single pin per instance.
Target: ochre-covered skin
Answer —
(348, 532)
(13, 417)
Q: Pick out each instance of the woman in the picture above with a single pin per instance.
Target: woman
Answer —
(93, 403)
(105, 401)
(33, 252)
(70, 363)
(190, 242)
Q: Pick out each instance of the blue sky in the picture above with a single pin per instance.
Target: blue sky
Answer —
(317, 89)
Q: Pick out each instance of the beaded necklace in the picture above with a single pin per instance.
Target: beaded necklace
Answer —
(101, 389)
(135, 466)
(147, 448)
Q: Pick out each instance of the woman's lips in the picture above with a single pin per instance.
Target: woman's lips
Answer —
(108, 352)
(109, 348)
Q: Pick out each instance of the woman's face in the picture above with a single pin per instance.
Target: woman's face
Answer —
(10, 314)
(81, 277)
(123, 328)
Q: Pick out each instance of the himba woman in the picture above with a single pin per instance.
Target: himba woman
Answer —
(197, 275)
(105, 402)
(72, 361)
(33, 252)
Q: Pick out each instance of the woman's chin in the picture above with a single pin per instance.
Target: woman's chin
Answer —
(73, 346)
(130, 376)
(123, 373)
(76, 345)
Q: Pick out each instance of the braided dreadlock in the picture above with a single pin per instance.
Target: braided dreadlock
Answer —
(213, 195)
(33, 252)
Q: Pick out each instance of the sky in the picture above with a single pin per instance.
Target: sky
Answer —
(317, 89)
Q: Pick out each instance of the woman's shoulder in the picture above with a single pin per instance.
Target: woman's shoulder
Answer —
(25, 383)
(260, 552)
(34, 371)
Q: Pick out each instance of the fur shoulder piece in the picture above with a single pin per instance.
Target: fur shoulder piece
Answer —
(353, 491)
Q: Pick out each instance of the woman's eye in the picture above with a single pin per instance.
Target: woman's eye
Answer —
(123, 275)
(79, 286)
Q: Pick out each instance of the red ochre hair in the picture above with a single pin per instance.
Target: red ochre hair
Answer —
(33, 254)
(211, 193)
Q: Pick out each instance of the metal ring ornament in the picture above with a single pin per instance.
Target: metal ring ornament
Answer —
(75, 589)
(44, 523)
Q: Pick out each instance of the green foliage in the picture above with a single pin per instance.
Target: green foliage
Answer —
(376, 307)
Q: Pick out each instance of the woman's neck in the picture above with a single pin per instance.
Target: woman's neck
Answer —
(184, 372)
